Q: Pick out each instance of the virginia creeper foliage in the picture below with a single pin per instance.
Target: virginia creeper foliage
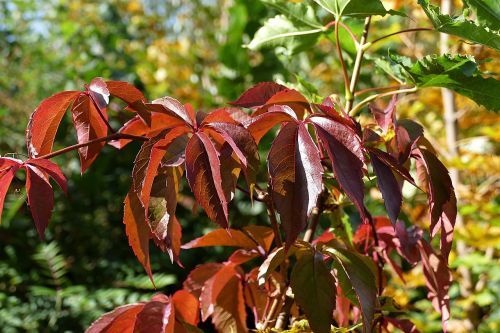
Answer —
(319, 162)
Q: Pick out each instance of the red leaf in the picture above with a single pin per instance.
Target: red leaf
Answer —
(125, 91)
(234, 237)
(243, 145)
(392, 163)
(120, 320)
(45, 120)
(344, 149)
(212, 289)
(204, 177)
(407, 133)
(222, 299)
(389, 186)
(257, 298)
(197, 277)
(8, 168)
(166, 229)
(148, 160)
(442, 200)
(387, 117)
(217, 116)
(158, 317)
(52, 169)
(89, 125)
(438, 280)
(404, 325)
(40, 198)
(296, 177)
(407, 240)
(258, 94)
(261, 124)
(242, 256)
(137, 230)
(288, 97)
(186, 307)
(99, 92)
(142, 110)
(173, 107)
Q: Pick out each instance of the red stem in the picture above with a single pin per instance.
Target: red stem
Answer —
(400, 32)
(114, 136)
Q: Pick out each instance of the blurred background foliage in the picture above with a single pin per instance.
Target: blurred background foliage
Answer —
(192, 50)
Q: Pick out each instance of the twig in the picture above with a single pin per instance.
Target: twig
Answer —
(367, 100)
(342, 63)
(396, 33)
(244, 190)
(114, 136)
(357, 64)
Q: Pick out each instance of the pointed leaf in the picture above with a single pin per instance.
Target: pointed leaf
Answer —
(197, 277)
(389, 186)
(314, 288)
(125, 91)
(52, 170)
(8, 168)
(45, 120)
(204, 177)
(353, 7)
(40, 198)
(461, 27)
(120, 320)
(158, 317)
(363, 281)
(173, 107)
(186, 307)
(438, 280)
(344, 149)
(233, 237)
(258, 95)
(442, 200)
(458, 73)
(89, 126)
(387, 117)
(282, 31)
(261, 124)
(296, 177)
(137, 230)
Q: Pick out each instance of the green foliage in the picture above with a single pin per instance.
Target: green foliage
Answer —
(458, 73)
(487, 12)
(358, 8)
(462, 27)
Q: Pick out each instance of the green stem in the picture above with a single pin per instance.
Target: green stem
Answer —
(395, 33)
(367, 100)
(342, 63)
(357, 64)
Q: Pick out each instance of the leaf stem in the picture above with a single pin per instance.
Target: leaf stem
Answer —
(396, 33)
(367, 100)
(343, 25)
(357, 64)
(395, 87)
(114, 136)
(342, 62)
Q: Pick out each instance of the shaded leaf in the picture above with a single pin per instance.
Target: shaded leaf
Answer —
(314, 289)
(437, 279)
(199, 275)
(344, 149)
(296, 177)
(155, 317)
(487, 12)
(40, 198)
(261, 124)
(387, 117)
(52, 170)
(361, 276)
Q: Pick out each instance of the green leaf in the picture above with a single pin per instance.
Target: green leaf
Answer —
(300, 12)
(360, 271)
(314, 288)
(458, 73)
(282, 31)
(487, 12)
(359, 8)
(461, 27)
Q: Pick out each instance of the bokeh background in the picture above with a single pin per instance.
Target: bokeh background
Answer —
(192, 50)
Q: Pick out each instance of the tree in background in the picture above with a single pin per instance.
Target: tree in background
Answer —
(290, 48)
